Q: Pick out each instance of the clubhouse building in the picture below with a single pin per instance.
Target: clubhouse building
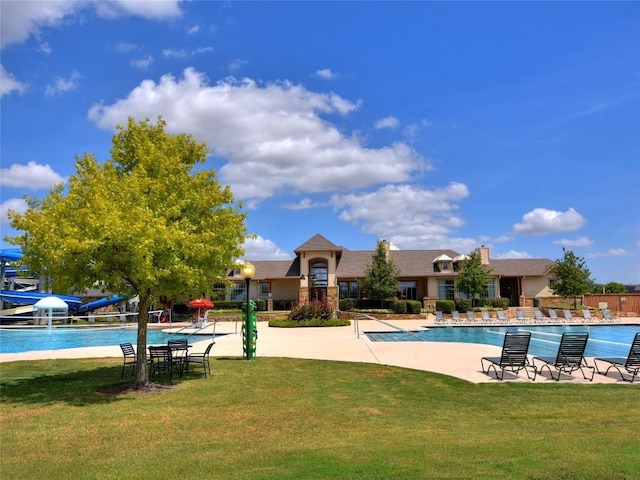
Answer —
(327, 272)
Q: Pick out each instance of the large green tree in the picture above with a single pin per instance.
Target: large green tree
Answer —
(611, 287)
(571, 277)
(145, 221)
(473, 276)
(381, 275)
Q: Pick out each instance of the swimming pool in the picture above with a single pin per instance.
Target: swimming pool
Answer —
(604, 340)
(16, 340)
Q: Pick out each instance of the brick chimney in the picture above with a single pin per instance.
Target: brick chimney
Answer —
(484, 254)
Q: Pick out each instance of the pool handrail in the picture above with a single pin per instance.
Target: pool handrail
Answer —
(365, 316)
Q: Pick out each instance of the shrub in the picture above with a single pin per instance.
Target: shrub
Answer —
(445, 306)
(399, 306)
(261, 305)
(347, 305)
(463, 304)
(228, 305)
(309, 311)
(285, 323)
(414, 307)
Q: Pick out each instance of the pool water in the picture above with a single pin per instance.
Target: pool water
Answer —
(16, 340)
(604, 340)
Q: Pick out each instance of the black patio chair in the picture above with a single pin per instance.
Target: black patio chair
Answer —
(161, 361)
(130, 357)
(513, 357)
(570, 357)
(631, 364)
(179, 351)
(201, 359)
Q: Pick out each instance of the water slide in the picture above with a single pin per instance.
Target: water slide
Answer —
(23, 297)
(30, 298)
(103, 302)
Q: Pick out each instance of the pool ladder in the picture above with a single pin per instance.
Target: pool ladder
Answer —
(364, 316)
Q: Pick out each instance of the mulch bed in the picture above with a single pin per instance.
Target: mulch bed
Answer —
(127, 388)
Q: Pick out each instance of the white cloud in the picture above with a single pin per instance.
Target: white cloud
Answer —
(408, 215)
(127, 47)
(61, 85)
(578, 242)
(142, 63)
(502, 239)
(274, 131)
(45, 48)
(173, 53)
(541, 221)
(158, 10)
(303, 204)
(612, 252)
(192, 30)
(20, 20)
(15, 204)
(32, 175)
(511, 254)
(326, 74)
(8, 83)
(387, 122)
(236, 64)
(262, 249)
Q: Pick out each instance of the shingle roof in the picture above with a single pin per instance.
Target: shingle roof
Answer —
(318, 243)
(521, 267)
(277, 269)
(412, 263)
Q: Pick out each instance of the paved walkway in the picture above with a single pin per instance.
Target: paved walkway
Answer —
(460, 360)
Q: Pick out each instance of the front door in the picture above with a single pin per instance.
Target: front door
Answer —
(509, 289)
(318, 294)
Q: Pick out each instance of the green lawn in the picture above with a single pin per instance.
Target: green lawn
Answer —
(301, 419)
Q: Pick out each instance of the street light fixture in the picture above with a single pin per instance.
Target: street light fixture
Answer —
(249, 330)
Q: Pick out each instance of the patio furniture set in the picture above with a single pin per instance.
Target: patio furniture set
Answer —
(169, 358)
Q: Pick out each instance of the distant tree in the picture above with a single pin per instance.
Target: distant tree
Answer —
(381, 275)
(473, 276)
(142, 222)
(611, 287)
(571, 277)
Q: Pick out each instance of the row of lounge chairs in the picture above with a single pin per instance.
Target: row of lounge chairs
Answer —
(501, 317)
(569, 358)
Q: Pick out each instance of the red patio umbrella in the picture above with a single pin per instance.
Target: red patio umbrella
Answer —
(201, 303)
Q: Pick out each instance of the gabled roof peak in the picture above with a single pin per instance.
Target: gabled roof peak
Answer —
(318, 243)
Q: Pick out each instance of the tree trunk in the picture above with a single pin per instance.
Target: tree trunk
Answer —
(142, 372)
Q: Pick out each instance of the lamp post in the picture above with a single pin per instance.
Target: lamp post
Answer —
(249, 330)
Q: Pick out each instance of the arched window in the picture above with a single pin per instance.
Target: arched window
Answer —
(318, 273)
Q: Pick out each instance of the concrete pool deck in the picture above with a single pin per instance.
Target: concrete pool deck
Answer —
(461, 360)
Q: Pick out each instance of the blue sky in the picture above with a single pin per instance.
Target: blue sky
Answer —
(514, 125)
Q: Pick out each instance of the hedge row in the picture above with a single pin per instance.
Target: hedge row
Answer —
(465, 305)
(396, 306)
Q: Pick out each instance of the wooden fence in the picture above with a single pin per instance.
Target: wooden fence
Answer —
(617, 302)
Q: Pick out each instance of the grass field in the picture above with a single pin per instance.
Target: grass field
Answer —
(301, 419)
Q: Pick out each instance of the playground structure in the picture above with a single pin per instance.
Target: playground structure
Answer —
(20, 291)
